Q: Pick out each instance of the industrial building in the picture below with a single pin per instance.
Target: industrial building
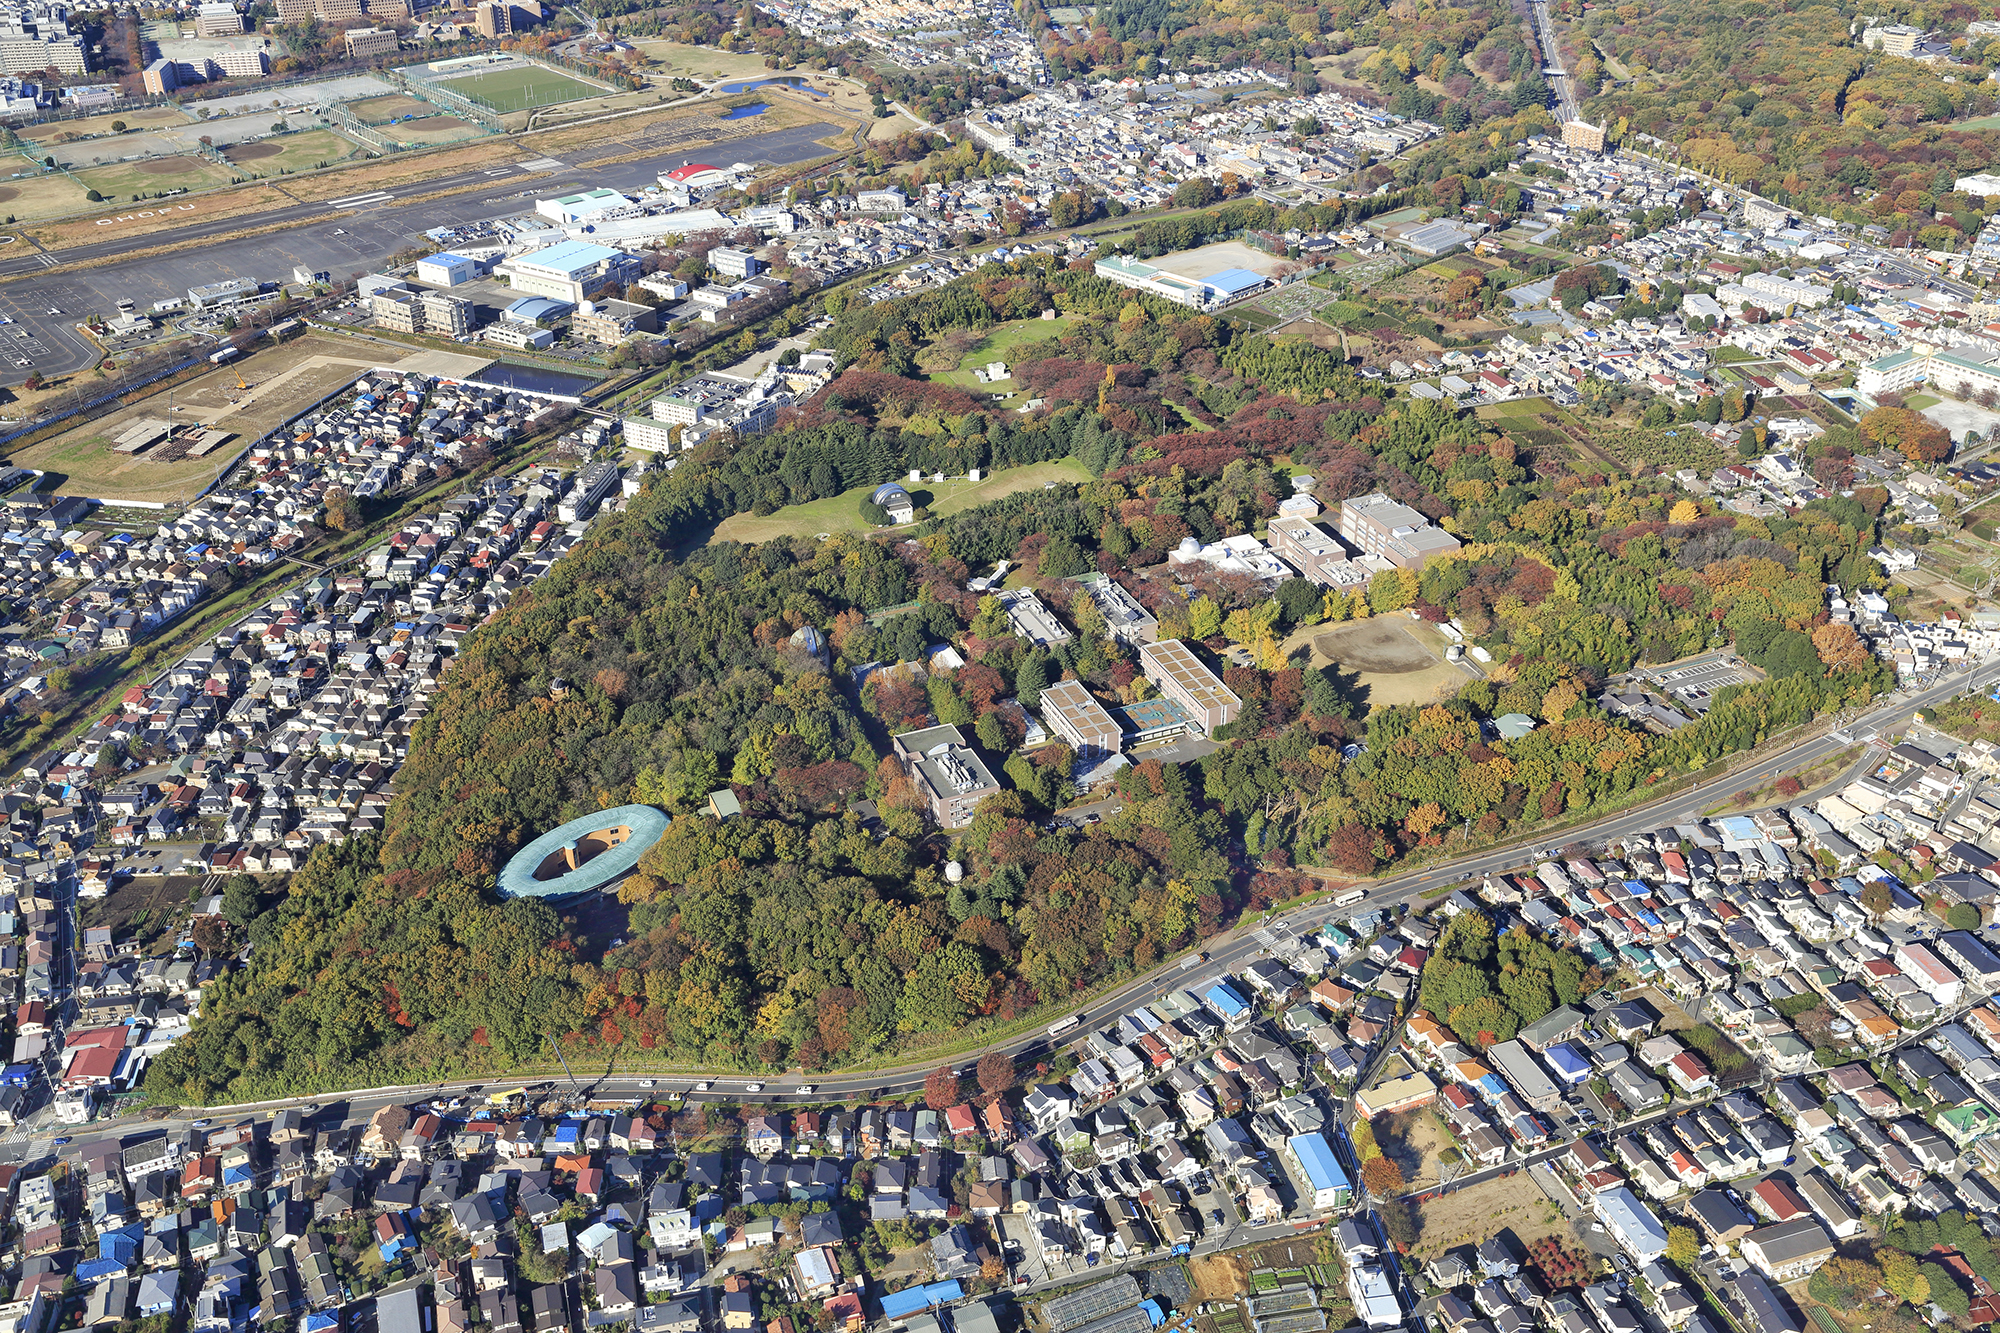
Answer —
(582, 206)
(571, 271)
(447, 270)
(1181, 677)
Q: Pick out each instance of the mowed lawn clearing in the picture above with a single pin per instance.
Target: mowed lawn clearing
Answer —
(998, 345)
(293, 152)
(145, 117)
(41, 196)
(127, 180)
(521, 89)
(842, 513)
(699, 62)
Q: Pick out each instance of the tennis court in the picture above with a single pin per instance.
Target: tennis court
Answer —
(520, 88)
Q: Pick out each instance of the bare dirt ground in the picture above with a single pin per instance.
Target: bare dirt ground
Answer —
(1378, 645)
(1509, 1203)
(1218, 1277)
(1412, 1140)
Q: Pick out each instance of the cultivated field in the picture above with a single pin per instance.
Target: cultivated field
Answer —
(842, 513)
(307, 151)
(520, 88)
(130, 180)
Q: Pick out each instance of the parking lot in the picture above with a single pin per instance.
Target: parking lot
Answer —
(1696, 680)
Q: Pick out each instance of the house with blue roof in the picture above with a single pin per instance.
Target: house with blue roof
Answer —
(1231, 1008)
(92, 1271)
(1569, 1065)
(912, 1300)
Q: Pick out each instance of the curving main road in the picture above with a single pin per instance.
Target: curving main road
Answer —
(1226, 953)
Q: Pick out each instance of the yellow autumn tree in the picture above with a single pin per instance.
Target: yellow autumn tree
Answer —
(1684, 511)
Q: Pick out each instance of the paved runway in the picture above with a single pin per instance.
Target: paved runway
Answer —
(345, 247)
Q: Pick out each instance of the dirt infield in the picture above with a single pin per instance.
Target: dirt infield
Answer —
(433, 129)
(253, 152)
(161, 166)
(381, 110)
(1379, 647)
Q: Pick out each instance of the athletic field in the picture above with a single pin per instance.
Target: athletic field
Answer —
(520, 88)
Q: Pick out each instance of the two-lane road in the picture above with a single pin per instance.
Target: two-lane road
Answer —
(1226, 953)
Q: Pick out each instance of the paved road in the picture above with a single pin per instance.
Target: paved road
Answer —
(1226, 953)
(383, 223)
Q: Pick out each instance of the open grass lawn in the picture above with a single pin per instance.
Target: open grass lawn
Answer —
(41, 196)
(1917, 402)
(520, 88)
(1982, 123)
(702, 63)
(127, 179)
(306, 151)
(842, 513)
(999, 345)
(1728, 354)
(146, 117)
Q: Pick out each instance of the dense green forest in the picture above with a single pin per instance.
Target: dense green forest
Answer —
(795, 936)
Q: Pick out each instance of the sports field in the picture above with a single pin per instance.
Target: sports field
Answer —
(144, 117)
(292, 152)
(520, 88)
(127, 180)
(381, 110)
(41, 196)
(432, 129)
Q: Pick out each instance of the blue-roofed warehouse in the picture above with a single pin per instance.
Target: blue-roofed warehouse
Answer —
(911, 1300)
(1330, 1186)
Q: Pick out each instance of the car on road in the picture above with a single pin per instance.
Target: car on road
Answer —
(649, 1083)
(1215, 1217)
(61, 1141)
(753, 1087)
(807, 1090)
(201, 1124)
(702, 1086)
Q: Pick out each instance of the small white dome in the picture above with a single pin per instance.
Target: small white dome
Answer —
(1190, 546)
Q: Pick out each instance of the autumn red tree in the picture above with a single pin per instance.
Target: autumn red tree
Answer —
(1382, 1176)
(941, 1088)
(996, 1072)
